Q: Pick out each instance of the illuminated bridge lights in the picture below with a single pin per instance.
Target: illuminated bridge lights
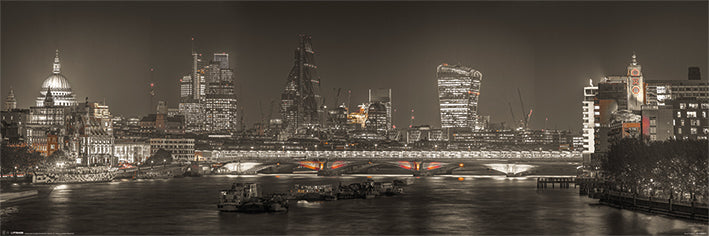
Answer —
(313, 165)
(337, 164)
(432, 165)
(405, 164)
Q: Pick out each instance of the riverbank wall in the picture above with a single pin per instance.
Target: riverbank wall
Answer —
(689, 210)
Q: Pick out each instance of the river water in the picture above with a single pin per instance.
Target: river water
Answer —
(471, 205)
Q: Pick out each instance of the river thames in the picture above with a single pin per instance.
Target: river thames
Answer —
(470, 205)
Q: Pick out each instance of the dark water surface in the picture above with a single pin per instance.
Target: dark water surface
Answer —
(432, 205)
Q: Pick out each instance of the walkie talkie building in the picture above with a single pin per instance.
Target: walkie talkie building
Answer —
(458, 92)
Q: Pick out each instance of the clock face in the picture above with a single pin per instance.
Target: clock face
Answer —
(635, 72)
(636, 90)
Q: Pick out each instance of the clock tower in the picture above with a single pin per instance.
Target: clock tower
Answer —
(636, 90)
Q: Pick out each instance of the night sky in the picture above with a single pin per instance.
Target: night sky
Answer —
(549, 50)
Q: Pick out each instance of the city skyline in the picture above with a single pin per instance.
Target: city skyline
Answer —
(396, 50)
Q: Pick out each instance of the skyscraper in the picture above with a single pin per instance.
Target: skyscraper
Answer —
(458, 92)
(222, 59)
(192, 92)
(383, 96)
(301, 104)
(220, 99)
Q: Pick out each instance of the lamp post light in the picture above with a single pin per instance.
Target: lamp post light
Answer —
(375, 147)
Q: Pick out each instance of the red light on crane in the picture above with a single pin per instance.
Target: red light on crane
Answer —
(152, 84)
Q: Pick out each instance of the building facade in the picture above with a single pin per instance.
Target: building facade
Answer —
(301, 104)
(220, 100)
(690, 118)
(131, 151)
(458, 92)
(382, 96)
(589, 124)
(180, 148)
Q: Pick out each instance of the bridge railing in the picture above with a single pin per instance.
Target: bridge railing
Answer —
(236, 154)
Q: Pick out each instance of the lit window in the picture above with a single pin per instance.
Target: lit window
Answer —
(682, 106)
(693, 130)
(691, 114)
(693, 105)
(679, 114)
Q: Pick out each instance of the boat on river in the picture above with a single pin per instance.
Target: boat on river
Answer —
(247, 197)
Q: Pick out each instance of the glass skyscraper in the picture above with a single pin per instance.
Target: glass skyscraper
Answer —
(458, 92)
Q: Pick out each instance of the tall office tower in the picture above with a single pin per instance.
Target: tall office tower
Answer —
(222, 59)
(192, 93)
(186, 87)
(383, 96)
(196, 77)
(377, 117)
(301, 104)
(458, 92)
(589, 97)
(220, 99)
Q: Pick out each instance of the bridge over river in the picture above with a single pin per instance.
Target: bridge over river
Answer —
(417, 163)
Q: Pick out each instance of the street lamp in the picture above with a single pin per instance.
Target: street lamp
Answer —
(375, 147)
(436, 147)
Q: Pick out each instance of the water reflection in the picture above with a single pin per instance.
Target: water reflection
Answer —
(432, 205)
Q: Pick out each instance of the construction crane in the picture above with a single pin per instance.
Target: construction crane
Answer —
(512, 113)
(529, 117)
(521, 102)
(260, 110)
(337, 97)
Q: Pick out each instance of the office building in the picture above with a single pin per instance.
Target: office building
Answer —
(180, 148)
(301, 104)
(220, 103)
(589, 110)
(382, 96)
(458, 92)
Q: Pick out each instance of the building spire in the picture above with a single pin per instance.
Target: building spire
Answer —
(10, 102)
(57, 66)
(635, 61)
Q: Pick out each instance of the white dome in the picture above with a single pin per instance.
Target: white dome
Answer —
(57, 82)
